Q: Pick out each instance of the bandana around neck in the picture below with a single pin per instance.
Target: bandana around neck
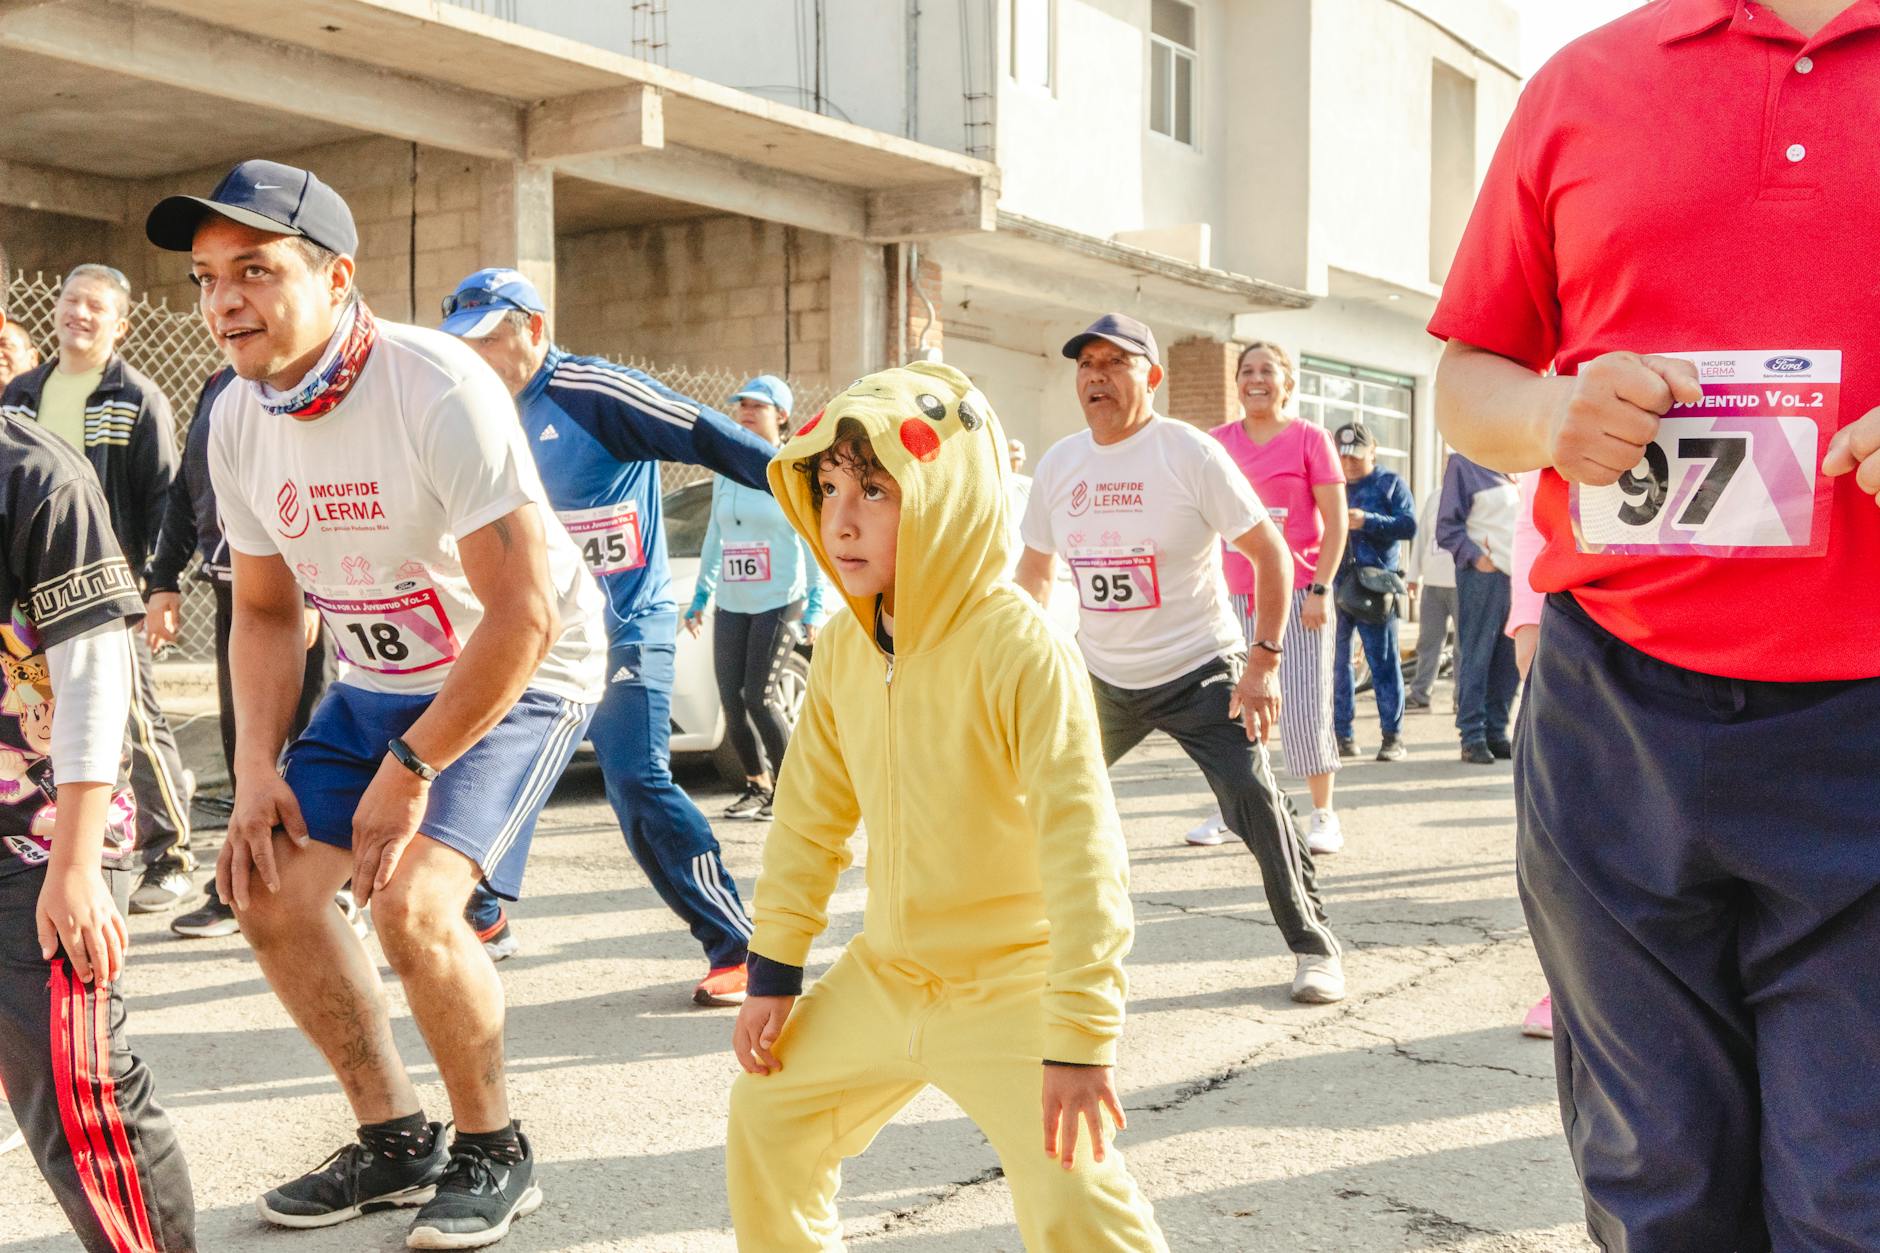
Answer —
(334, 376)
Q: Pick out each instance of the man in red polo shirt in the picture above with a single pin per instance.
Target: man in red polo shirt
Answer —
(1697, 778)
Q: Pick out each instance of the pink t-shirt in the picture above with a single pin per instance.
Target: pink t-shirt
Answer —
(1284, 471)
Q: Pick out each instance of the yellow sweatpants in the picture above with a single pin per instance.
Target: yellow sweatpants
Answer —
(860, 1045)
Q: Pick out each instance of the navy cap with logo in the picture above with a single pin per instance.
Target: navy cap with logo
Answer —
(1123, 331)
(1354, 440)
(266, 195)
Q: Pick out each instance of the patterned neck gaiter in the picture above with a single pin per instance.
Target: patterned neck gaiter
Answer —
(333, 378)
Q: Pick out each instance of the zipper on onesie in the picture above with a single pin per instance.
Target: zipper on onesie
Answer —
(894, 793)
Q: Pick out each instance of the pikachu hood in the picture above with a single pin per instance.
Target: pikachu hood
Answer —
(971, 755)
(936, 434)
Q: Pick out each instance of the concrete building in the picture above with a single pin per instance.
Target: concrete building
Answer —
(818, 187)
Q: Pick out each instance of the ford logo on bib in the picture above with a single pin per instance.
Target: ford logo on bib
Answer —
(1787, 365)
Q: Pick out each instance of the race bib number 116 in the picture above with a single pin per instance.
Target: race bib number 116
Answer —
(1737, 474)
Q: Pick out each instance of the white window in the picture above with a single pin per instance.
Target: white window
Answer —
(1332, 393)
(1172, 70)
(1034, 43)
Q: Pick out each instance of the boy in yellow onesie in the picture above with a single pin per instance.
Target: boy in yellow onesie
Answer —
(947, 712)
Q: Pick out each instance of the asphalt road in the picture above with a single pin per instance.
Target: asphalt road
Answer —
(1412, 1116)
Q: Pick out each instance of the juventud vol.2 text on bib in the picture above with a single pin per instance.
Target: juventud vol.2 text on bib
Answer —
(1737, 474)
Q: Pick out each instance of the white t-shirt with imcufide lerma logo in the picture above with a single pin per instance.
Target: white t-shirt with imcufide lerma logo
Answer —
(1141, 523)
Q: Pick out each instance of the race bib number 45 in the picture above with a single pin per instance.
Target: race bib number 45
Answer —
(1116, 580)
(608, 537)
(1737, 474)
(388, 630)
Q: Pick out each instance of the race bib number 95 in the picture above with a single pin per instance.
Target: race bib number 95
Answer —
(1116, 580)
(1737, 474)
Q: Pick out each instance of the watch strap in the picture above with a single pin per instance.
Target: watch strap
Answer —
(1269, 646)
(402, 754)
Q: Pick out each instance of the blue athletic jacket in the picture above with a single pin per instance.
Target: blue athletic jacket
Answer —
(599, 432)
(1390, 515)
(742, 515)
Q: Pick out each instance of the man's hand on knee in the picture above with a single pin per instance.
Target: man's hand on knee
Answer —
(384, 825)
(760, 1022)
(264, 804)
(1073, 1094)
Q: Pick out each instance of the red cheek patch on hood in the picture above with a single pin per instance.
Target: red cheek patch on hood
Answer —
(810, 425)
(920, 439)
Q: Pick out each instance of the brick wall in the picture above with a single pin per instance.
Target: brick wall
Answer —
(924, 277)
(1200, 385)
(727, 293)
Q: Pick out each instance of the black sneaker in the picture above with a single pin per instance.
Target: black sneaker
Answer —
(355, 1181)
(476, 1200)
(1392, 749)
(1477, 754)
(213, 920)
(1502, 749)
(1347, 747)
(753, 799)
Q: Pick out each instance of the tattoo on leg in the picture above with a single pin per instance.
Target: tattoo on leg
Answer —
(493, 1064)
(359, 1049)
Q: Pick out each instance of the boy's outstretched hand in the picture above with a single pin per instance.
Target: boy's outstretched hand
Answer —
(760, 1022)
(1072, 1093)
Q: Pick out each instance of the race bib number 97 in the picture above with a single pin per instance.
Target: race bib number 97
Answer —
(1116, 580)
(388, 630)
(1736, 474)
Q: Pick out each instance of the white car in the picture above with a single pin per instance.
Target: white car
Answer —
(698, 720)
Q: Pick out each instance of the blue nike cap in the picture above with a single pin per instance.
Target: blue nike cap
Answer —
(481, 301)
(266, 195)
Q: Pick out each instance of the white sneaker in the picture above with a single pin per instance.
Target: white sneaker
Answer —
(1318, 980)
(11, 1137)
(1209, 831)
(1326, 835)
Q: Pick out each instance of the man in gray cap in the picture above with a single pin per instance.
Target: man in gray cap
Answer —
(1138, 505)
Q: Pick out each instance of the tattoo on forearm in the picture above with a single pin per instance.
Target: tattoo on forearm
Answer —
(503, 533)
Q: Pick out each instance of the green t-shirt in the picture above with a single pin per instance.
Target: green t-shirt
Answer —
(62, 404)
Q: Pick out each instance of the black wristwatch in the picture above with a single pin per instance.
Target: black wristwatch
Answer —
(1317, 589)
(402, 754)
(1269, 646)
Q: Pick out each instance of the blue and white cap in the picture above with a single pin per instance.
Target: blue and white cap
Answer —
(482, 300)
(770, 390)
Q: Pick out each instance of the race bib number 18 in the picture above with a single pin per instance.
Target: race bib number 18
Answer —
(1116, 580)
(1737, 474)
(388, 630)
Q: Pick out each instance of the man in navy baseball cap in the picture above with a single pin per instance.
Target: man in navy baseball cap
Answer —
(266, 195)
(1123, 331)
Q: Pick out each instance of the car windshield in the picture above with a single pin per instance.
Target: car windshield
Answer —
(688, 510)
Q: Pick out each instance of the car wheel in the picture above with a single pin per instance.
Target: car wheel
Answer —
(792, 689)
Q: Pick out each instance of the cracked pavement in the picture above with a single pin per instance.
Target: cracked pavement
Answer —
(1412, 1116)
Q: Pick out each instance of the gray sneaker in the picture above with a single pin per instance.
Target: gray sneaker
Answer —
(476, 1201)
(163, 889)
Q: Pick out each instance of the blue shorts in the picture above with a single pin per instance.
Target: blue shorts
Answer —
(484, 804)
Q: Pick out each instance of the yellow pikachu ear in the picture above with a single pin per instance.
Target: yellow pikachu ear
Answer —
(952, 376)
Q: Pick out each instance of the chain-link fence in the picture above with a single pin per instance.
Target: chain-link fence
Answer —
(175, 349)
